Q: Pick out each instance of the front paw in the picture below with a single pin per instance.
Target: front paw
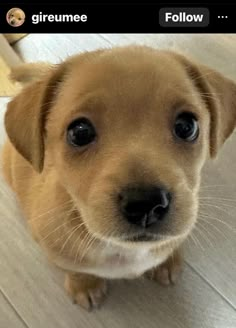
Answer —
(86, 290)
(168, 272)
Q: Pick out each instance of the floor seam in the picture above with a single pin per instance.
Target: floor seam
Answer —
(13, 308)
(212, 286)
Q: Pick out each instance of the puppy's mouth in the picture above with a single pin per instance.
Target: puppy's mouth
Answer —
(143, 237)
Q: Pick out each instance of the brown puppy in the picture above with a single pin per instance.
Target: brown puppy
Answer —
(15, 17)
(105, 153)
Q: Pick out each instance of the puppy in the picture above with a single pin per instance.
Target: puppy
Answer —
(15, 17)
(105, 154)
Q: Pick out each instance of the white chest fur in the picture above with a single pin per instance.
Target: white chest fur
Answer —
(116, 262)
(127, 264)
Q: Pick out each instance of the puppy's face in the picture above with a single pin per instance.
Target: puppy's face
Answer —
(127, 134)
(16, 17)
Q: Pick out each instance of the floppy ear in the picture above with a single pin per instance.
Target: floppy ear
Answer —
(26, 115)
(219, 94)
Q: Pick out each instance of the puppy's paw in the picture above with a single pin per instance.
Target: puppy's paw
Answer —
(85, 290)
(168, 272)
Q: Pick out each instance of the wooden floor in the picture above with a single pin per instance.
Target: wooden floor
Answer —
(31, 292)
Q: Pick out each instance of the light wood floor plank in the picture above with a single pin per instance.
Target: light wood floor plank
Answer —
(57, 47)
(8, 316)
(215, 259)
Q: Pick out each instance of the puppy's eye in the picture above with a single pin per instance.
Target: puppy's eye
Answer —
(186, 127)
(19, 19)
(12, 15)
(80, 133)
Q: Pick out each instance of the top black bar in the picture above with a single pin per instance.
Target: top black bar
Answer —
(117, 18)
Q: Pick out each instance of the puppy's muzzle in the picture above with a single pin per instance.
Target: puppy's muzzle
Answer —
(144, 206)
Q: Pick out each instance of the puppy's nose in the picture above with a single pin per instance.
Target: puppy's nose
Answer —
(144, 206)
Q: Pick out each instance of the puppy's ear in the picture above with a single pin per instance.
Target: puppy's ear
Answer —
(26, 115)
(219, 94)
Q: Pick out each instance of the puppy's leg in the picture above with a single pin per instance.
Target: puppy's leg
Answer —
(86, 290)
(168, 272)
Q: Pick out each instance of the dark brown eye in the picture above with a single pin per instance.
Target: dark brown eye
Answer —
(80, 133)
(186, 127)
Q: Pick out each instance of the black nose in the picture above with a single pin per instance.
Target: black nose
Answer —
(144, 206)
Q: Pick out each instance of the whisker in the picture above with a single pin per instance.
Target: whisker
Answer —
(55, 217)
(205, 235)
(61, 237)
(51, 210)
(66, 233)
(88, 247)
(216, 228)
(91, 242)
(213, 186)
(219, 198)
(221, 203)
(80, 245)
(52, 232)
(76, 228)
(78, 237)
(208, 217)
(196, 241)
(202, 235)
(215, 206)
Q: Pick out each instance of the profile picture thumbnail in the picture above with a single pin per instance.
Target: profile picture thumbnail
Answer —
(15, 17)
